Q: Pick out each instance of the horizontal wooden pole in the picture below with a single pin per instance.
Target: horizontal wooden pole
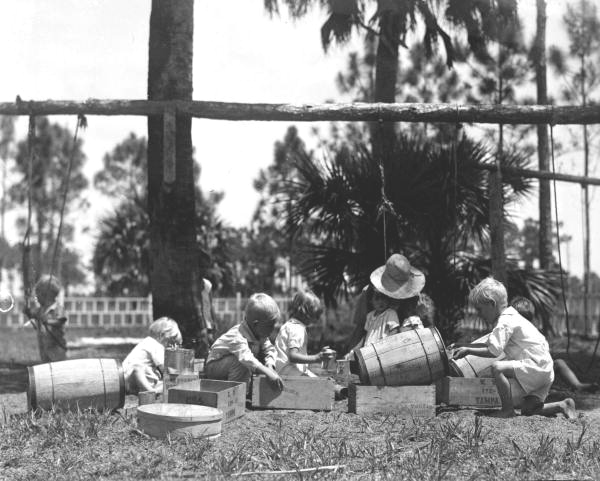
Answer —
(482, 114)
(543, 174)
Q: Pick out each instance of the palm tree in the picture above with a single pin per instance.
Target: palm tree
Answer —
(435, 211)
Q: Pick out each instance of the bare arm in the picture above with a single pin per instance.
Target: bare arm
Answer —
(271, 375)
(296, 357)
(473, 351)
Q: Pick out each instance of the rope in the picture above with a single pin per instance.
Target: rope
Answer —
(81, 122)
(562, 280)
(385, 202)
(26, 260)
(455, 187)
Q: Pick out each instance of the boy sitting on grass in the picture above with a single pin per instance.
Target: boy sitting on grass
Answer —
(232, 357)
(528, 359)
(144, 366)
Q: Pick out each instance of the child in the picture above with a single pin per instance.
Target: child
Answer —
(292, 340)
(232, 357)
(527, 353)
(47, 317)
(144, 366)
(381, 322)
(526, 308)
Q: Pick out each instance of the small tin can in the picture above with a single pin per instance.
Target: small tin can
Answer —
(328, 361)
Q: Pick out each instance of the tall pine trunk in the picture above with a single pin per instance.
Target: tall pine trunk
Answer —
(383, 134)
(171, 206)
(544, 201)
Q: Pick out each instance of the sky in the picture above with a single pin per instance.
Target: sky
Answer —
(75, 50)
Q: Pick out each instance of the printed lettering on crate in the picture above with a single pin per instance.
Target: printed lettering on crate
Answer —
(403, 401)
(475, 392)
(228, 396)
(299, 392)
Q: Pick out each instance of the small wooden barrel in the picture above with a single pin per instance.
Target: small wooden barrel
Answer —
(474, 366)
(161, 419)
(413, 357)
(77, 383)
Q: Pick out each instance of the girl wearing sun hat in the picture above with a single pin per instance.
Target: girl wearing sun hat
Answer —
(396, 287)
(400, 286)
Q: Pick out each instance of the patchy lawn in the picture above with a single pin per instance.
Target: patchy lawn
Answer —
(456, 444)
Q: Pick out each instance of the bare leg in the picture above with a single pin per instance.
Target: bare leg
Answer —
(564, 371)
(532, 405)
(502, 372)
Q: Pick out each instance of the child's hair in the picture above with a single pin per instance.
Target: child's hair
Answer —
(47, 287)
(489, 290)
(524, 307)
(406, 307)
(165, 328)
(262, 308)
(305, 306)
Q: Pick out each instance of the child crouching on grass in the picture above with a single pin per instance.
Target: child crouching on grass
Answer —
(144, 365)
(292, 339)
(232, 357)
(528, 359)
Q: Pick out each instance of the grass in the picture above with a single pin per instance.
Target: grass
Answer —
(92, 445)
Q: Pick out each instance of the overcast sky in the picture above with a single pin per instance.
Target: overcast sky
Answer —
(79, 49)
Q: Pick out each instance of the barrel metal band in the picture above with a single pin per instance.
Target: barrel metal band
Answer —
(380, 365)
(426, 356)
(103, 382)
(51, 380)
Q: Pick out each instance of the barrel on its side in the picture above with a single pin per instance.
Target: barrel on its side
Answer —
(415, 357)
(76, 384)
(161, 420)
(474, 366)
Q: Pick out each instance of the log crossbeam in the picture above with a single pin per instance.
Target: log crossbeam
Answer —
(482, 114)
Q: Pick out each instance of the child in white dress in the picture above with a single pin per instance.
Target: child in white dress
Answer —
(143, 367)
(527, 353)
(292, 357)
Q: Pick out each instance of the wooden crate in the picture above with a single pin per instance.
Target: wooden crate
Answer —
(299, 392)
(228, 396)
(474, 392)
(404, 401)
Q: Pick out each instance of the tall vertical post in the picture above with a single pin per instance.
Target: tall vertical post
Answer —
(171, 203)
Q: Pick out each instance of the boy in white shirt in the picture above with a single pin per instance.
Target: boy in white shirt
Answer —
(143, 367)
(527, 353)
(232, 357)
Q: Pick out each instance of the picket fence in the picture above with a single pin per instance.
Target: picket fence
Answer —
(111, 312)
(108, 312)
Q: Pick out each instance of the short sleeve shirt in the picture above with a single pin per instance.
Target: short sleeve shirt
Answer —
(378, 326)
(241, 342)
(149, 354)
(291, 335)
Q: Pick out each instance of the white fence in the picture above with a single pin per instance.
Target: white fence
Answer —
(137, 311)
(128, 311)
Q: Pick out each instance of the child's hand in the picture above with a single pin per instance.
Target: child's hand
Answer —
(276, 379)
(460, 352)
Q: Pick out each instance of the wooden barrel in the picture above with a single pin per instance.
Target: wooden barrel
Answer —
(474, 366)
(413, 357)
(162, 419)
(76, 383)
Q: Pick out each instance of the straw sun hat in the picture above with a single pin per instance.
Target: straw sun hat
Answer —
(397, 278)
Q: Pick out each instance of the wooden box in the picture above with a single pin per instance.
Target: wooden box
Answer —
(228, 396)
(299, 392)
(404, 401)
(474, 392)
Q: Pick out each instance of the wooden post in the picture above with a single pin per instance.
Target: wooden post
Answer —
(174, 273)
